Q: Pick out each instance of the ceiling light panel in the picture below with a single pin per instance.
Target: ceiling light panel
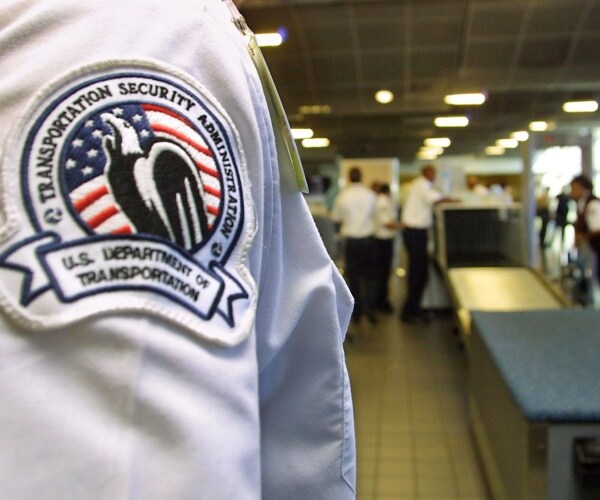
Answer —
(538, 126)
(442, 142)
(302, 133)
(580, 107)
(451, 121)
(316, 142)
(268, 39)
(475, 99)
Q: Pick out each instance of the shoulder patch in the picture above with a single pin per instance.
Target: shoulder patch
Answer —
(125, 188)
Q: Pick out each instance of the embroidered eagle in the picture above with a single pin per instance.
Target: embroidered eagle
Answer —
(159, 190)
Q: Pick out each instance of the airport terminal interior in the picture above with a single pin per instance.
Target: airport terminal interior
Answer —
(492, 393)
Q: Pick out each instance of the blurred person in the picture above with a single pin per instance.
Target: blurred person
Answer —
(417, 219)
(476, 187)
(385, 234)
(170, 323)
(543, 212)
(354, 210)
(587, 225)
(561, 214)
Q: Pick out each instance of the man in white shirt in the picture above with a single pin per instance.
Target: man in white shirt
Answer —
(354, 209)
(171, 326)
(417, 219)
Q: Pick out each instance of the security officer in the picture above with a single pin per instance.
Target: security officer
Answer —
(417, 219)
(355, 210)
(170, 324)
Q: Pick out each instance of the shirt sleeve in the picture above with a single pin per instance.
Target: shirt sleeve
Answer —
(307, 428)
(432, 195)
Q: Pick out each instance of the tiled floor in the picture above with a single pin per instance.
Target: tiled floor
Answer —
(409, 390)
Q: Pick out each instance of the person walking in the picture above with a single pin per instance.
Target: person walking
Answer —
(354, 210)
(417, 219)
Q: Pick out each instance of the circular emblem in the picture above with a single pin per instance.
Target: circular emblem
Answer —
(133, 181)
(132, 153)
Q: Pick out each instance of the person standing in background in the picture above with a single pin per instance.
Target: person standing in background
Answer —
(543, 212)
(587, 225)
(417, 219)
(561, 215)
(476, 187)
(385, 234)
(354, 209)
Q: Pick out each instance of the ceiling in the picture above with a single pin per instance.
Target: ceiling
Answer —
(530, 56)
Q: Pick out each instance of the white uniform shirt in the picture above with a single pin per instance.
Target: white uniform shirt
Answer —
(386, 214)
(592, 214)
(417, 210)
(136, 365)
(355, 209)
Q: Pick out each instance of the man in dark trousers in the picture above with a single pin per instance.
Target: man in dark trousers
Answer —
(417, 219)
(354, 209)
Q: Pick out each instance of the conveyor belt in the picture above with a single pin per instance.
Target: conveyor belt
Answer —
(497, 289)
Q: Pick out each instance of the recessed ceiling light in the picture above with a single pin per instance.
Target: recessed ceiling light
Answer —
(494, 150)
(451, 121)
(521, 135)
(384, 96)
(580, 107)
(269, 39)
(465, 99)
(302, 133)
(316, 142)
(442, 142)
(538, 126)
(507, 143)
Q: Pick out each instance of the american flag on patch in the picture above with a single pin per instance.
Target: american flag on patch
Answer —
(85, 163)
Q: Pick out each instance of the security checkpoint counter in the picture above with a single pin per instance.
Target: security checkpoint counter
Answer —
(497, 289)
(534, 402)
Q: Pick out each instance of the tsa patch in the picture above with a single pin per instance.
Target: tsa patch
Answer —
(126, 190)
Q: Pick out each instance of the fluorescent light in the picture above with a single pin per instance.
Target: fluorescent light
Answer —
(451, 121)
(268, 39)
(315, 109)
(507, 143)
(384, 96)
(494, 150)
(442, 142)
(316, 142)
(538, 126)
(422, 155)
(580, 107)
(521, 135)
(302, 133)
(465, 99)
(436, 150)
